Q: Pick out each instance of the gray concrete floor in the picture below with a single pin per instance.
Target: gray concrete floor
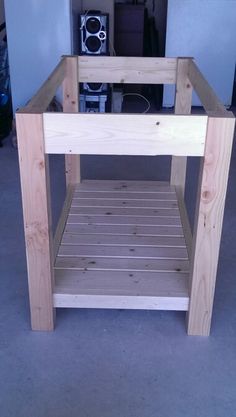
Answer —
(105, 363)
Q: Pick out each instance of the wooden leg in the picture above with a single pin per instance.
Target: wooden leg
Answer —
(178, 172)
(208, 223)
(71, 105)
(183, 102)
(37, 218)
(72, 165)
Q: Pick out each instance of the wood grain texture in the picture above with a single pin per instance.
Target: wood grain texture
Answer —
(124, 134)
(207, 96)
(208, 223)
(63, 218)
(183, 103)
(41, 100)
(37, 218)
(71, 105)
(135, 70)
(185, 222)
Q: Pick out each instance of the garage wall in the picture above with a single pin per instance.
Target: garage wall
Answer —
(206, 30)
(38, 34)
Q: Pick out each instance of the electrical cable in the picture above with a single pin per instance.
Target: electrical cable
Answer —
(112, 47)
(143, 97)
(84, 18)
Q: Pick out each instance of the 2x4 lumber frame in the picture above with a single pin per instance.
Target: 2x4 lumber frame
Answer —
(208, 98)
(208, 223)
(37, 218)
(183, 103)
(124, 134)
(39, 134)
(71, 105)
(121, 70)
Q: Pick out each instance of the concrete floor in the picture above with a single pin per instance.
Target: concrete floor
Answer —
(100, 363)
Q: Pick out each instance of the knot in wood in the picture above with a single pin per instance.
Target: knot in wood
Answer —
(206, 195)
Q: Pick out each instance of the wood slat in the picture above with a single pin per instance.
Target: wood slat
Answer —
(146, 252)
(119, 241)
(117, 230)
(127, 70)
(132, 302)
(124, 134)
(126, 195)
(125, 264)
(117, 185)
(113, 203)
(122, 220)
(125, 211)
(123, 240)
(119, 282)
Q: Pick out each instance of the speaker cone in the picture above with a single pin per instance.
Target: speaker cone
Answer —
(93, 43)
(94, 86)
(93, 25)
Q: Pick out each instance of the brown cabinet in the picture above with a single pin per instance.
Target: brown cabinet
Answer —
(129, 29)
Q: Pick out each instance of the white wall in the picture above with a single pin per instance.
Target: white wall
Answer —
(206, 30)
(39, 32)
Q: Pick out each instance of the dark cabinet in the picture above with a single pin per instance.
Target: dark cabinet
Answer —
(129, 29)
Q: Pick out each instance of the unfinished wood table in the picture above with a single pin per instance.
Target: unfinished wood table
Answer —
(124, 244)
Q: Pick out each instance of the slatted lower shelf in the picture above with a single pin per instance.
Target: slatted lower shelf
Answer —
(123, 246)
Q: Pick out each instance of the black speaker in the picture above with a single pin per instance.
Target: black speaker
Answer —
(94, 88)
(94, 33)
